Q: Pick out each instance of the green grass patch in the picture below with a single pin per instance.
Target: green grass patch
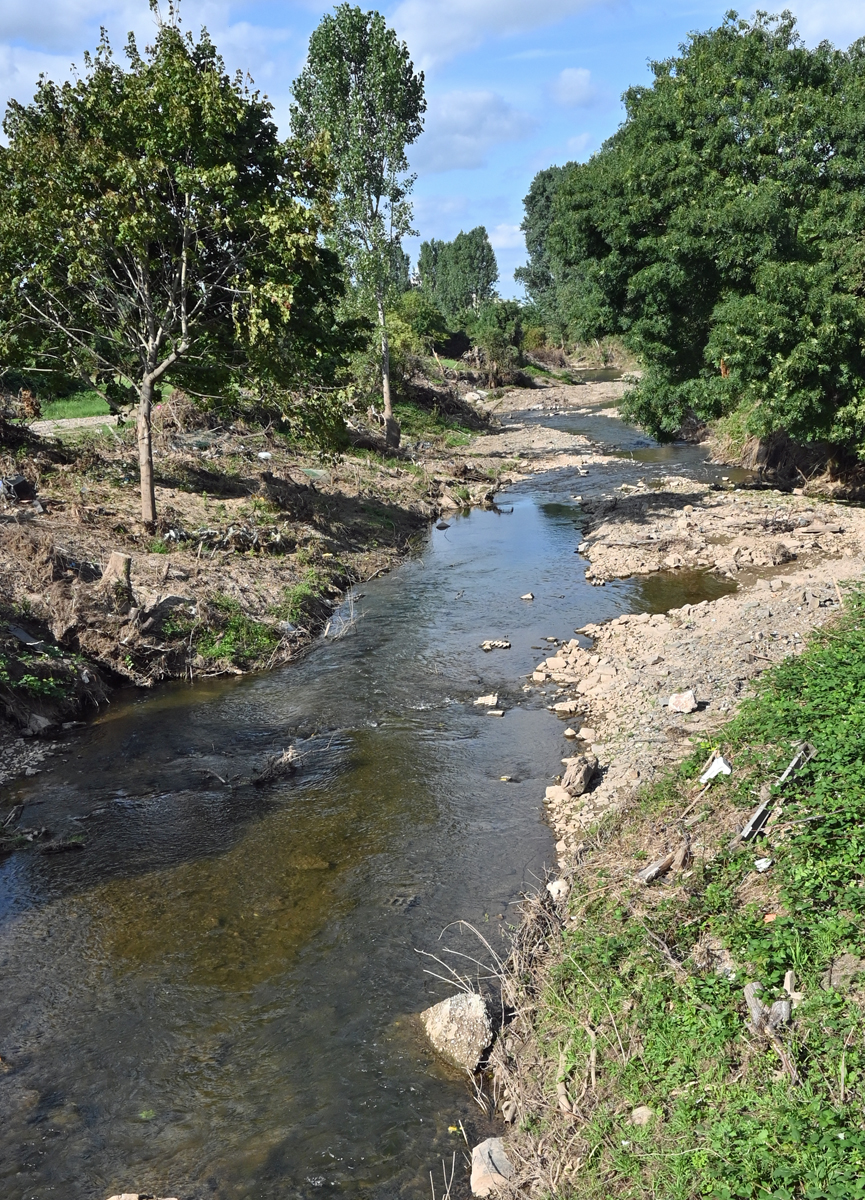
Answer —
(655, 976)
(79, 404)
(235, 636)
(417, 422)
(300, 599)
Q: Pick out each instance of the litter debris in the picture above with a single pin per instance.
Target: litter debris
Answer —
(683, 702)
(495, 644)
(719, 766)
(762, 864)
(265, 455)
(495, 712)
(489, 701)
(17, 488)
(761, 813)
(558, 889)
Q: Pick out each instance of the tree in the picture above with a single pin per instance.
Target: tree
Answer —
(152, 225)
(721, 233)
(460, 275)
(536, 276)
(498, 332)
(360, 88)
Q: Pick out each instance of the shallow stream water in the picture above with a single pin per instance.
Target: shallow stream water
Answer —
(214, 998)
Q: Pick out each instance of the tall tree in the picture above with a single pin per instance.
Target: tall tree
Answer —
(460, 275)
(152, 225)
(359, 87)
(721, 233)
(536, 276)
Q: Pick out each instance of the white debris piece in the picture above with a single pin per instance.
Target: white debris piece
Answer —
(489, 701)
(718, 766)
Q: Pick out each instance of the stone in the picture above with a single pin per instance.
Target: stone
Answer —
(558, 889)
(566, 708)
(586, 733)
(843, 971)
(577, 779)
(528, 596)
(38, 725)
(539, 676)
(556, 664)
(683, 702)
(491, 1167)
(643, 1115)
(570, 733)
(557, 795)
(459, 1028)
(489, 701)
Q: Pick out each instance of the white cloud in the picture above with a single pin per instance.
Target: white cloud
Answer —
(841, 21)
(462, 126)
(580, 144)
(573, 88)
(507, 237)
(438, 30)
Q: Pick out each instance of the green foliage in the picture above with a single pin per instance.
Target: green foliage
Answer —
(359, 90)
(730, 1123)
(721, 233)
(236, 637)
(498, 332)
(153, 225)
(460, 276)
(300, 597)
(537, 276)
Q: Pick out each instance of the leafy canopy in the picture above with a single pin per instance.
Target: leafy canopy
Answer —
(153, 224)
(359, 87)
(721, 232)
(460, 275)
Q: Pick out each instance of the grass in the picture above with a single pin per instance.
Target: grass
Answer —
(301, 596)
(237, 637)
(632, 973)
(417, 422)
(79, 404)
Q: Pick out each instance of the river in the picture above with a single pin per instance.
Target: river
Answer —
(213, 999)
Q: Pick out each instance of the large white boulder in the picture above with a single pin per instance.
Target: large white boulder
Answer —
(459, 1029)
(491, 1167)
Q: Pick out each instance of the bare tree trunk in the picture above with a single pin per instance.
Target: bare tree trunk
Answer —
(391, 425)
(145, 453)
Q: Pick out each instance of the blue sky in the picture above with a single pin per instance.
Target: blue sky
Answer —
(512, 85)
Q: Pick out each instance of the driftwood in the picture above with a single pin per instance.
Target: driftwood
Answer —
(675, 860)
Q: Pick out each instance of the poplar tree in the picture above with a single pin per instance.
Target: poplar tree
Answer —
(360, 88)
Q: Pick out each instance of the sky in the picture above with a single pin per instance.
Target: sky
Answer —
(512, 86)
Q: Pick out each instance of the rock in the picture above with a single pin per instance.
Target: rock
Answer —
(558, 889)
(135, 1196)
(683, 702)
(496, 644)
(578, 777)
(489, 701)
(509, 1111)
(566, 708)
(586, 733)
(459, 1029)
(643, 1115)
(472, 396)
(491, 1167)
(528, 596)
(843, 971)
(556, 664)
(557, 795)
(539, 676)
(443, 525)
(37, 725)
(570, 733)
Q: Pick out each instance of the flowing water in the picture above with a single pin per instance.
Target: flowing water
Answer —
(214, 998)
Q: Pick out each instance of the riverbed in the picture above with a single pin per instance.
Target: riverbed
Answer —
(214, 996)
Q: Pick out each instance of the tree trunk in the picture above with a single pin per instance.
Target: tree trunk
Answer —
(391, 425)
(145, 453)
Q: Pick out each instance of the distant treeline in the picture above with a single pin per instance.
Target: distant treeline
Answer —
(720, 233)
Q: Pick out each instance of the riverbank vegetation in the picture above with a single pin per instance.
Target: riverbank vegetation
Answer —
(701, 1035)
(719, 233)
